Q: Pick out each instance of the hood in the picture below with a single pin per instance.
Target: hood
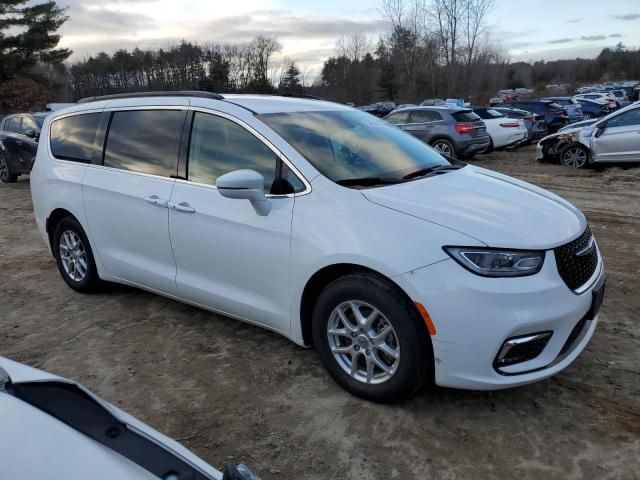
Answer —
(579, 134)
(495, 209)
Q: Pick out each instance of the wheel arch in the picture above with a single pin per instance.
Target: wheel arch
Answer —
(52, 222)
(327, 274)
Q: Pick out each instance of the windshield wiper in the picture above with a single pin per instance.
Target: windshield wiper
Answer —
(367, 181)
(426, 171)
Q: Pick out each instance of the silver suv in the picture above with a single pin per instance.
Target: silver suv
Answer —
(453, 131)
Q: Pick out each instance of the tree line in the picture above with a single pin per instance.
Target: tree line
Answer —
(434, 48)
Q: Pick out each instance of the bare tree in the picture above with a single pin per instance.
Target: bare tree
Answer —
(353, 46)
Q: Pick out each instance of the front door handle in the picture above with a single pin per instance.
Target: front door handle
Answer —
(182, 207)
(157, 201)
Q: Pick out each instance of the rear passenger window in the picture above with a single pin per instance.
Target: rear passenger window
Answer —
(72, 137)
(425, 116)
(14, 125)
(400, 117)
(145, 141)
(219, 146)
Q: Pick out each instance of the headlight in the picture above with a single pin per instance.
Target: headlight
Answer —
(491, 262)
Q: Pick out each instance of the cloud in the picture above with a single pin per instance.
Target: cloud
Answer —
(593, 38)
(627, 17)
(574, 20)
(94, 21)
(560, 40)
(616, 35)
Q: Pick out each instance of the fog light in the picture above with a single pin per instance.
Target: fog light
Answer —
(521, 349)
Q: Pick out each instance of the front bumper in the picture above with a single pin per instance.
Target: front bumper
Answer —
(474, 316)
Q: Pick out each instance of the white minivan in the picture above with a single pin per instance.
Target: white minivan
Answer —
(324, 224)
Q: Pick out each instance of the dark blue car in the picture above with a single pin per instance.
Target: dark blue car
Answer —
(593, 109)
(554, 115)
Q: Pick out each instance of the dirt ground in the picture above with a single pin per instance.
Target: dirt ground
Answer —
(234, 392)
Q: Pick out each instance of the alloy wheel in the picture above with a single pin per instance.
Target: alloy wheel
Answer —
(363, 342)
(73, 256)
(4, 170)
(574, 157)
(443, 148)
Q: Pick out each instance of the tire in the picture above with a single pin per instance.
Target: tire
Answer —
(408, 338)
(489, 149)
(574, 155)
(69, 259)
(6, 176)
(444, 146)
(588, 116)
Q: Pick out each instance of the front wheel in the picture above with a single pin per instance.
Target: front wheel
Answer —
(574, 156)
(371, 340)
(6, 176)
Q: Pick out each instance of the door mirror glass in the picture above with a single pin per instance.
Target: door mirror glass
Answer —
(245, 185)
(599, 131)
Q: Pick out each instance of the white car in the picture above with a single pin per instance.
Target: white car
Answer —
(504, 131)
(326, 225)
(601, 96)
(614, 138)
(54, 428)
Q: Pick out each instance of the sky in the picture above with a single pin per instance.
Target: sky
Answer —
(525, 29)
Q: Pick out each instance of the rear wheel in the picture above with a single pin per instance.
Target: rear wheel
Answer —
(74, 256)
(574, 156)
(370, 339)
(444, 146)
(6, 176)
(488, 149)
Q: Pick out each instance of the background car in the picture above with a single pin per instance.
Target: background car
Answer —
(555, 115)
(504, 131)
(536, 126)
(621, 97)
(452, 131)
(594, 108)
(608, 97)
(379, 109)
(54, 428)
(432, 102)
(571, 106)
(19, 135)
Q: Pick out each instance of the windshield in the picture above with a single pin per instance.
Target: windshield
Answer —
(350, 145)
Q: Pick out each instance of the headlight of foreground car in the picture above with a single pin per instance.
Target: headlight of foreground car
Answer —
(490, 262)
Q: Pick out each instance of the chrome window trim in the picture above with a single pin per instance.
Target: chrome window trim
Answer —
(205, 110)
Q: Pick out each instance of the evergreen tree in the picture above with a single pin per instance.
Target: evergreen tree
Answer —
(289, 82)
(28, 37)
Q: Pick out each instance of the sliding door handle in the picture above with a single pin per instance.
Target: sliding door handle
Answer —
(157, 201)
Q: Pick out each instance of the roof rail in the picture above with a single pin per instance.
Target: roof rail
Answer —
(177, 93)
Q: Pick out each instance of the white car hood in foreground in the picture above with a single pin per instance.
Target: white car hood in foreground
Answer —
(36, 446)
(497, 210)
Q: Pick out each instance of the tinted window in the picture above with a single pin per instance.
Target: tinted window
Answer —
(465, 116)
(220, 146)
(625, 119)
(350, 145)
(489, 113)
(72, 137)
(400, 117)
(425, 116)
(28, 124)
(145, 141)
(14, 124)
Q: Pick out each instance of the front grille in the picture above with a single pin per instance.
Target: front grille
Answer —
(575, 269)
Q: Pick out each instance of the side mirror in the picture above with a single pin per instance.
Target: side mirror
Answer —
(246, 185)
(31, 133)
(238, 472)
(599, 131)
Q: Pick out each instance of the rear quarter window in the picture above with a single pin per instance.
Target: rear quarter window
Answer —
(72, 138)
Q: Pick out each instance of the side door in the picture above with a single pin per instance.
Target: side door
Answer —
(126, 198)
(619, 141)
(421, 125)
(229, 258)
(29, 143)
(12, 141)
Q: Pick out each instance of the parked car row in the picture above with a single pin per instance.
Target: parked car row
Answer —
(613, 138)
